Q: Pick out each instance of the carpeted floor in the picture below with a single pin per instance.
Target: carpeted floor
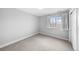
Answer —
(40, 43)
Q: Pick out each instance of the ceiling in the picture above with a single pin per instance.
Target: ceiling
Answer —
(42, 12)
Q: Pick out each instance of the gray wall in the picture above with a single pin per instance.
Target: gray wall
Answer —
(55, 32)
(15, 24)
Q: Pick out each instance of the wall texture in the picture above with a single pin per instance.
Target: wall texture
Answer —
(15, 24)
(55, 32)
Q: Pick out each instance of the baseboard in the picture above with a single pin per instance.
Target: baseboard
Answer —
(26, 36)
(55, 36)
(17, 40)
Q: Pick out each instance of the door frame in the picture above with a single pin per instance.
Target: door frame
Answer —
(75, 47)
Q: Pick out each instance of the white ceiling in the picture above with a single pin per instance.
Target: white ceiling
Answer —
(41, 12)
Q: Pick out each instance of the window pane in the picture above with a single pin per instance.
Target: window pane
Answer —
(52, 20)
(55, 20)
(59, 19)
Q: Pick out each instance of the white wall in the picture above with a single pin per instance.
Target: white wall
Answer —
(15, 24)
(55, 32)
(73, 28)
(78, 28)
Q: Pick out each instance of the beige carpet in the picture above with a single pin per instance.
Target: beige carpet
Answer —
(39, 43)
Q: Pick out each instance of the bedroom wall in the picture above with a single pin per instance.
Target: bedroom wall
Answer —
(73, 29)
(15, 24)
(78, 29)
(54, 32)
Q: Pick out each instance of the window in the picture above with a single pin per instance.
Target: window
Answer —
(55, 20)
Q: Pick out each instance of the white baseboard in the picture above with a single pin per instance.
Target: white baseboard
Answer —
(53, 35)
(17, 40)
(26, 36)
